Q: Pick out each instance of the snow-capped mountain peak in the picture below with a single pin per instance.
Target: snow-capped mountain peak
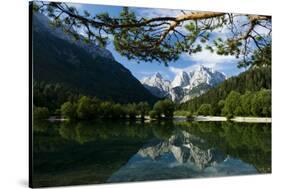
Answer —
(158, 75)
(182, 79)
(185, 85)
(206, 75)
(157, 85)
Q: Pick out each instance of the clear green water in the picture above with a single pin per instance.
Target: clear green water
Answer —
(104, 152)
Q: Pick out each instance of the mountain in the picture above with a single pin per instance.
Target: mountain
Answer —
(87, 68)
(45, 26)
(184, 86)
(182, 79)
(182, 153)
(252, 80)
(157, 85)
(185, 148)
(206, 75)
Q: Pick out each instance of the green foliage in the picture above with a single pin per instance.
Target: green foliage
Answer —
(249, 104)
(68, 110)
(261, 103)
(246, 102)
(252, 80)
(143, 109)
(106, 109)
(51, 95)
(153, 114)
(168, 108)
(260, 58)
(232, 102)
(86, 108)
(132, 110)
(40, 113)
(165, 107)
(205, 109)
(186, 114)
(220, 107)
(238, 111)
(158, 109)
(160, 38)
(117, 111)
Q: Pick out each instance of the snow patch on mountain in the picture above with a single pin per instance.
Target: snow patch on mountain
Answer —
(157, 85)
(184, 86)
(182, 79)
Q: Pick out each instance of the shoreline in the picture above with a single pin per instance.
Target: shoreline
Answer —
(221, 118)
(195, 118)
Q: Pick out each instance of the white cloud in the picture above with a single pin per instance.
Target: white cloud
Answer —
(145, 74)
(150, 12)
(207, 59)
(176, 71)
(210, 59)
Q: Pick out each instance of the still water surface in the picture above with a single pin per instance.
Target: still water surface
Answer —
(71, 153)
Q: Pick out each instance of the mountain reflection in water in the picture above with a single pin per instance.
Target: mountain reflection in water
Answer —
(181, 156)
(100, 152)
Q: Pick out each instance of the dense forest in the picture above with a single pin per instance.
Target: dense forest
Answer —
(251, 88)
(48, 101)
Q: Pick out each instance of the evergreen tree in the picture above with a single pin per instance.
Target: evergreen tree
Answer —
(162, 38)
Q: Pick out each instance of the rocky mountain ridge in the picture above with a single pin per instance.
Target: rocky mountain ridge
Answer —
(185, 85)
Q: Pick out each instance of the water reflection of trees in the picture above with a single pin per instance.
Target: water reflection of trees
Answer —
(46, 137)
(249, 142)
(84, 153)
(83, 132)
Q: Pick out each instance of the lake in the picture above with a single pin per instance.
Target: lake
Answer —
(72, 153)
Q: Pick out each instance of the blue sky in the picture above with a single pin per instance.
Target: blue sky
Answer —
(225, 64)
